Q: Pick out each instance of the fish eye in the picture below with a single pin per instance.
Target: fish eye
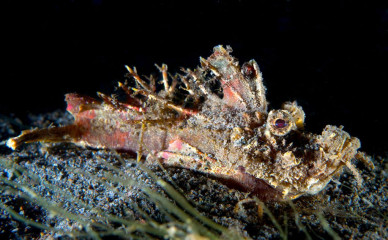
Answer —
(280, 122)
(296, 112)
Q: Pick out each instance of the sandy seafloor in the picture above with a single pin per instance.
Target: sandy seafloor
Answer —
(79, 181)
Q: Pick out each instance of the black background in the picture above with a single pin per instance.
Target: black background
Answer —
(330, 56)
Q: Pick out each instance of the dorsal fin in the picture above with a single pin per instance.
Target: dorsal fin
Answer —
(242, 87)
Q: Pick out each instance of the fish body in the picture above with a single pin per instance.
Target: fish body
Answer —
(214, 120)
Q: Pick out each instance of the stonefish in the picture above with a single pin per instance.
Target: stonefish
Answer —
(214, 120)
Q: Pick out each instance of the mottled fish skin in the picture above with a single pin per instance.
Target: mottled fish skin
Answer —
(214, 120)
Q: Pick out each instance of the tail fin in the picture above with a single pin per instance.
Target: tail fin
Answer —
(54, 134)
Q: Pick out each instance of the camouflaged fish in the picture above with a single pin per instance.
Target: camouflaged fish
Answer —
(214, 120)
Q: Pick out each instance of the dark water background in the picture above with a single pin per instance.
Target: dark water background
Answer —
(330, 56)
